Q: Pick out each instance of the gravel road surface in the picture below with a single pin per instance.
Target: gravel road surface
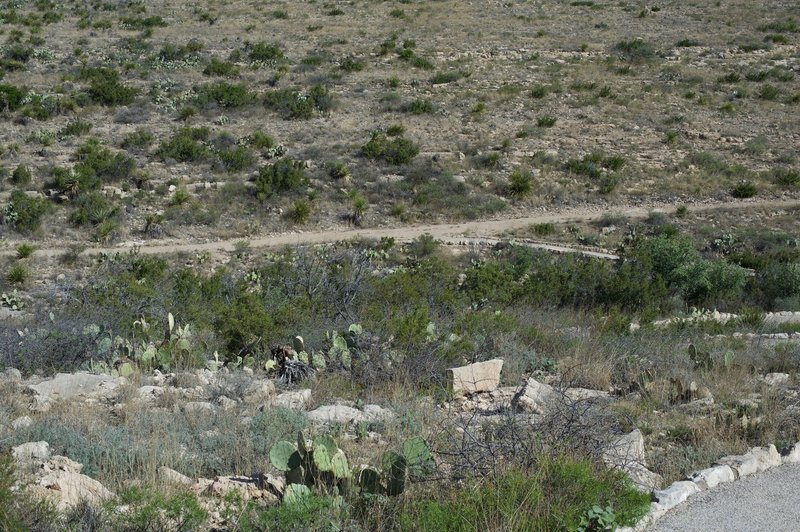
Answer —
(768, 502)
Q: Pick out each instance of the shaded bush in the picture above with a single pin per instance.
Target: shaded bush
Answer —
(394, 150)
(24, 213)
(186, 145)
(105, 87)
(284, 176)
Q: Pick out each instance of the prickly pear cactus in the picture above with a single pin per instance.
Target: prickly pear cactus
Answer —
(395, 467)
(418, 456)
(296, 494)
(368, 479)
(284, 456)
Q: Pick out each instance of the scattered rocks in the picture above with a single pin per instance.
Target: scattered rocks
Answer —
(21, 423)
(198, 407)
(776, 379)
(757, 460)
(534, 397)
(31, 451)
(627, 453)
(170, 476)
(294, 400)
(344, 414)
(712, 476)
(259, 392)
(794, 455)
(265, 489)
(677, 493)
(70, 385)
(474, 378)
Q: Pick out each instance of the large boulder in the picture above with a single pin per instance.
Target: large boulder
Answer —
(338, 413)
(265, 489)
(70, 385)
(474, 378)
(627, 453)
(712, 476)
(294, 400)
(535, 397)
(70, 487)
(259, 392)
(31, 451)
(675, 494)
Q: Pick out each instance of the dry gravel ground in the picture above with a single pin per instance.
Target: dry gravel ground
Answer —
(764, 502)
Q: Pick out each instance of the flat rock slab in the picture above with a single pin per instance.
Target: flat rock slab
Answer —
(474, 378)
(69, 385)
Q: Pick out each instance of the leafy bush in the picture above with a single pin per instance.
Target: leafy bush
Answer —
(419, 107)
(105, 87)
(102, 162)
(395, 150)
(236, 159)
(301, 211)
(635, 50)
(186, 145)
(785, 178)
(18, 274)
(744, 190)
(448, 77)
(139, 139)
(21, 176)
(11, 97)
(93, 209)
(217, 67)
(75, 128)
(284, 176)
(227, 95)
(294, 104)
(24, 213)
(520, 183)
(266, 52)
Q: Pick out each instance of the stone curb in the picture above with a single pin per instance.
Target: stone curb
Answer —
(726, 469)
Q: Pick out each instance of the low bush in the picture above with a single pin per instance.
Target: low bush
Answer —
(186, 145)
(228, 95)
(266, 52)
(393, 150)
(217, 67)
(105, 87)
(24, 213)
(285, 175)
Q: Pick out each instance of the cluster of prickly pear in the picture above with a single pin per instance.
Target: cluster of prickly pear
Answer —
(342, 343)
(321, 464)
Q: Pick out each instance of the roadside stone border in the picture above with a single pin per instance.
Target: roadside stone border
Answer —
(726, 469)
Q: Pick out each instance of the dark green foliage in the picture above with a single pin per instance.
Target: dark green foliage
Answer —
(24, 213)
(284, 176)
(139, 139)
(266, 52)
(784, 177)
(103, 163)
(236, 159)
(227, 95)
(393, 150)
(744, 189)
(105, 87)
(520, 183)
(448, 77)
(75, 128)
(419, 107)
(351, 64)
(21, 176)
(218, 67)
(294, 104)
(142, 23)
(11, 97)
(171, 52)
(635, 50)
(93, 209)
(186, 145)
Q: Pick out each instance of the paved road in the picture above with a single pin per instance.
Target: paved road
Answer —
(766, 502)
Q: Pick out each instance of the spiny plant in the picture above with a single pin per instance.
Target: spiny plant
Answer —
(320, 464)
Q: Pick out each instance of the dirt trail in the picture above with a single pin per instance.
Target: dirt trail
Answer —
(445, 231)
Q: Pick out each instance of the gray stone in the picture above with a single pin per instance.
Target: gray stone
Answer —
(21, 423)
(294, 400)
(776, 379)
(71, 488)
(794, 455)
(225, 403)
(677, 493)
(150, 394)
(474, 378)
(69, 385)
(259, 392)
(534, 397)
(198, 407)
(11, 375)
(375, 413)
(712, 476)
(336, 414)
(170, 476)
(757, 460)
(627, 453)
(33, 450)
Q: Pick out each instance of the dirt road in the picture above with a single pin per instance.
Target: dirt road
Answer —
(479, 228)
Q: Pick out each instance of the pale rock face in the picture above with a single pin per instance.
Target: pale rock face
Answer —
(627, 453)
(712, 476)
(677, 493)
(776, 379)
(170, 476)
(31, 451)
(336, 414)
(69, 385)
(21, 423)
(72, 488)
(293, 400)
(534, 397)
(259, 392)
(757, 460)
(794, 455)
(475, 378)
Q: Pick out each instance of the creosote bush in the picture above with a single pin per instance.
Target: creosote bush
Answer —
(393, 150)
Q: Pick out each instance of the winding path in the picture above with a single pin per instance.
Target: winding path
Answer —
(445, 231)
(766, 502)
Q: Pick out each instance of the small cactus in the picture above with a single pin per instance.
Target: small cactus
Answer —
(284, 456)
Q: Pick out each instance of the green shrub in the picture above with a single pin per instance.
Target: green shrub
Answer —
(744, 190)
(105, 87)
(266, 52)
(635, 50)
(18, 274)
(395, 150)
(93, 209)
(139, 139)
(291, 103)
(419, 107)
(102, 162)
(24, 212)
(351, 64)
(142, 23)
(448, 77)
(11, 97)
(217, 67)
(21, 176)
(301, 211)
(24, 250)
(338, 170)
(236, 159)
(75, 128)
(284, 176)
(546, 121)
(520, 183)
(186, 145)
(785, 178)
(228, 95)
